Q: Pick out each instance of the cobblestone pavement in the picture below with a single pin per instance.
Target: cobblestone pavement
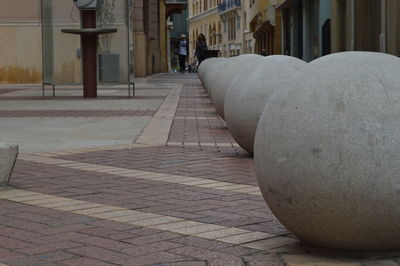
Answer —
(192, 201)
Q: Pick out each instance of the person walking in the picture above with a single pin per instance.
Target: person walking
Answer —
(201, 47)
(182, 53)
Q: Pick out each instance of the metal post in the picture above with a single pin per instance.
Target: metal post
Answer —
(89, 54)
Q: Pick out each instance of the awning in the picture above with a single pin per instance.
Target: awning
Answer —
(287, 3)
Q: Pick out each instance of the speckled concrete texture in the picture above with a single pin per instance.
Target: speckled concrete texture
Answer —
(213, 72)
(8, 157)
(327, 152)
(228, 70)
(204, 66)
(248, 94)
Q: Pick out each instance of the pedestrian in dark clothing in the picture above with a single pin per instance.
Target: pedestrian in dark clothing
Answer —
(201, 47)
(182, 53)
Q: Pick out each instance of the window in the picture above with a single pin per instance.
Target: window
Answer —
(238, 22)
(225, 26)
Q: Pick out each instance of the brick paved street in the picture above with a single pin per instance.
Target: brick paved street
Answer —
(193, 200)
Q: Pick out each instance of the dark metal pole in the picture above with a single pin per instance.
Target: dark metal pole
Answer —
(89, 54)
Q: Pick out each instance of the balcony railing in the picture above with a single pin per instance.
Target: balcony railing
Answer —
(228, 4)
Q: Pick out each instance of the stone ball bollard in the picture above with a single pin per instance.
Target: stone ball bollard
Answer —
(327, 152)
(213, 72)
(228, 70)
(8, 157)
(248, 94)
(204, 66)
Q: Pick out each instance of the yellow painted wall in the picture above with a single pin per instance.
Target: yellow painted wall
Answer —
(21, 42)
(196, 26)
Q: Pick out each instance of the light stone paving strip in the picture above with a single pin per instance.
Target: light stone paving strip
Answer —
(157, 130)
(136, 218)
(84, 150)
(175, 179)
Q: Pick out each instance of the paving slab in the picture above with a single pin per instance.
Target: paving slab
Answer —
(83, 194)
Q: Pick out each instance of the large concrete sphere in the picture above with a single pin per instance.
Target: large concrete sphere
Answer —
(247, 95)
(202, 69)
(327, 152)
(231, 68)
(212, 73)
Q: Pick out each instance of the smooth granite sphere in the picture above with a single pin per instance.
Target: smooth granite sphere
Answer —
(202, 69)
(212, 73)
(327, 152)
(235, 66)
(248, 94)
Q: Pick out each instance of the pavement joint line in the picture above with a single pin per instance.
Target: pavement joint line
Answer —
(182, 224)
(197, 117)
(214, 185)
(146, 175)
(205, 144)
(194, 109)
(31, 198)
(220, 233)
(199, 182)
(149, 220)
(136, 217)
(75, 207)
(245, 238)
(62, 204)
(158, 128)
(95, 210)
(83, 150)
(232, 187)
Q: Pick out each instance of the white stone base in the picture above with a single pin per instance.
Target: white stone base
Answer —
(8, 157)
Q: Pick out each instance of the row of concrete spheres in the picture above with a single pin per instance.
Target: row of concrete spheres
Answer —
(326, 141)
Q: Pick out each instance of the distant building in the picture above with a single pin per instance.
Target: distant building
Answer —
(306, 29)
(313, 28)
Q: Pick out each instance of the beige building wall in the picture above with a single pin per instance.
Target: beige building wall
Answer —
(20, 42)
(146, 37)
(206, 22)
(206, 25)
(163, 37)
(225, 30)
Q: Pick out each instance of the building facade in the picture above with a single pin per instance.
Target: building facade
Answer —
(306, 29)
(371, 25)
(33, 48)
(236, 27)
(266, 26)
(20, 42)
(224, 24)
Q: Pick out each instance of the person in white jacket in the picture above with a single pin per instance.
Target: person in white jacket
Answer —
(182, 53)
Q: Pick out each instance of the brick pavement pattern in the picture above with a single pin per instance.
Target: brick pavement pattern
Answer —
(191, 202)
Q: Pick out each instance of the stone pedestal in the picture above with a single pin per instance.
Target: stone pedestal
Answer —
(8, 157)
